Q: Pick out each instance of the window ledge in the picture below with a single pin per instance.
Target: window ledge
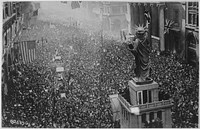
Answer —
(195, 28)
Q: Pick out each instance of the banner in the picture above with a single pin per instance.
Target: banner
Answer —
(28, 51)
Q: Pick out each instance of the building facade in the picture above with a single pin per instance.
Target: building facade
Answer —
(192, 32)
(140, 104)
(15, 16)
(180, 38)
(114, 16)
(12, 22)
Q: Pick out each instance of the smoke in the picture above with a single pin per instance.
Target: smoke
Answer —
(57, 12)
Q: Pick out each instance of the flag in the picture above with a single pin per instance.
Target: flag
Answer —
(75, 4)
(28, 51)
(168, 25)
(147, 16)
(35, 13)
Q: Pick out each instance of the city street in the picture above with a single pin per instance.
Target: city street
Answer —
(77, 65)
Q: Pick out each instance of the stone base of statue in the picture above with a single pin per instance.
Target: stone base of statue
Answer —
(148, 80)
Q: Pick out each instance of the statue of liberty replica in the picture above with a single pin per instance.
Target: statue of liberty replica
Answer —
(140, 48)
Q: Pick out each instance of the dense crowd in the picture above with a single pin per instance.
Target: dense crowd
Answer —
(99, 66)
(180, 82)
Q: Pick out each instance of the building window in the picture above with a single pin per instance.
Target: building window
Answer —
(124, 9)
(108, 9)
(18, 9)
(151, 116)
(5, 39)
(149, 94)
(139, 95)
(104, 9)
(115, 10)
(159, 115)
(144, 96)
(4, 13)
(127, 115)
(106, 2)
(14, 7)
(176, 17)
(144, 118)
(193, 18)
(6, 10)
(123, 112)
(15, 27)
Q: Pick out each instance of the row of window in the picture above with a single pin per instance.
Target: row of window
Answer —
(106, 10)
(193, 14)
(10, 33)
(144, 96)
(115, 9)
(193, 18)
(152, 116)
(125, 114)
(10, 8)
(12, 25)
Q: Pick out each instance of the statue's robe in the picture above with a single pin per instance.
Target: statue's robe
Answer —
(141, 51)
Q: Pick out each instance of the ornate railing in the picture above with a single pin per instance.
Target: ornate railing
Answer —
(124, 102)
(147, 106)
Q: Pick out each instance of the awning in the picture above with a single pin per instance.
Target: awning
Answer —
(60, 69)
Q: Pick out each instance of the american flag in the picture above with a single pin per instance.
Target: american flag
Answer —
(28, 51)
(75, 4)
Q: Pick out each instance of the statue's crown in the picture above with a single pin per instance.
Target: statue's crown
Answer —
(140, 29)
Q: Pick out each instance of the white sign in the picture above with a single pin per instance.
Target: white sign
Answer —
(60, 69)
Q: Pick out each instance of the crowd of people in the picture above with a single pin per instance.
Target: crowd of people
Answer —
(178, 81)
(99, 67)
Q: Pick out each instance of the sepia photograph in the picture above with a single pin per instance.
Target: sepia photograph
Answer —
(100, 64)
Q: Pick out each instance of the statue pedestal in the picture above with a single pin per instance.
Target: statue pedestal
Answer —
(147, 81)
(141, 94)
(143, 105)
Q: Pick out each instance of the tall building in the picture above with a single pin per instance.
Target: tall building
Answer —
(114, 16)
(15, 17)
(181, 37)
(192, 32)
(12, 22)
